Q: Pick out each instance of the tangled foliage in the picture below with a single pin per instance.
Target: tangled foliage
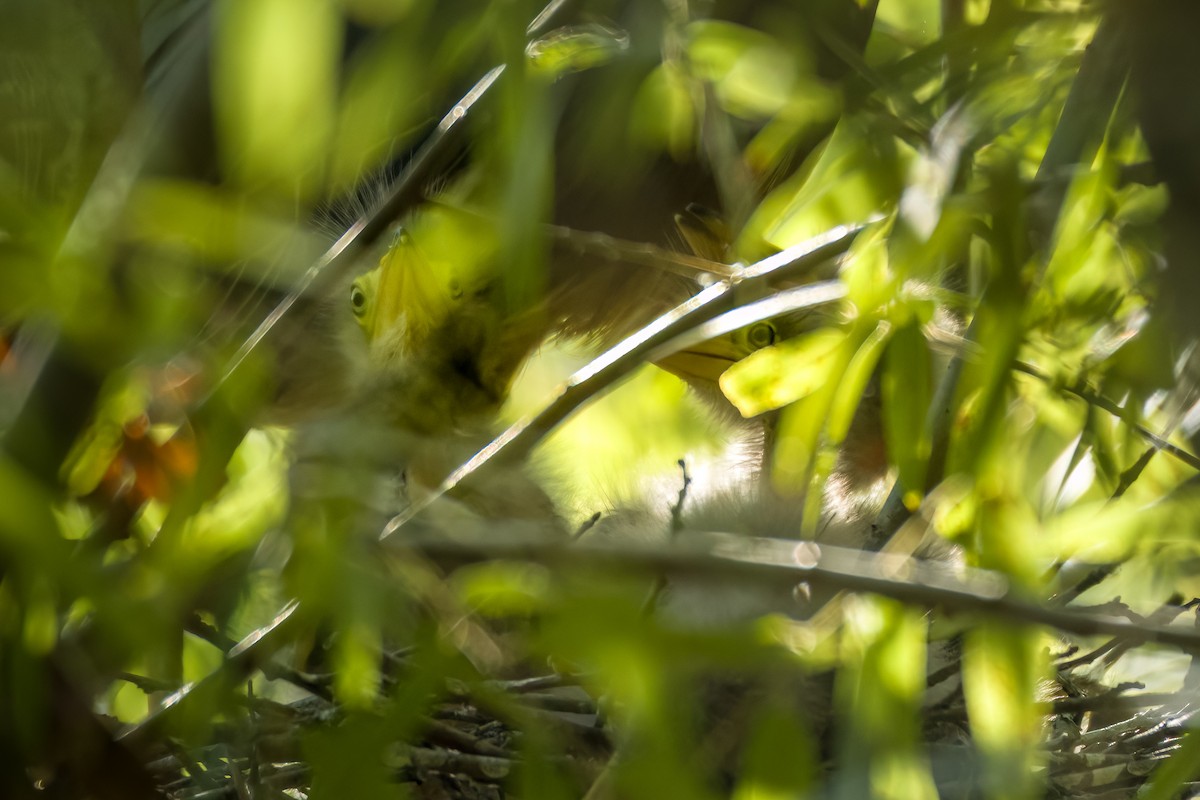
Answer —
(870, 468)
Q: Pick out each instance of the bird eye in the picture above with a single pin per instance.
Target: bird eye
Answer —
(761, 335)
(358, 300)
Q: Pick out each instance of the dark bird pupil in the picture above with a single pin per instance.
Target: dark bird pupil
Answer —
(762, 334)
(357, 299)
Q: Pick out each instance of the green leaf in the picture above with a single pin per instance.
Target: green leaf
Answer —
(1002, 665)
(504, 588)
(880, 689)
(663, 116)
(349, 760)
(779, 761)
(1182, 767)
(907, 389)
(856, 174)
(357, 652)
(854, 383)
(275, 77)
(378, 108)
(776, 376)
(753, 74)
(575, 48)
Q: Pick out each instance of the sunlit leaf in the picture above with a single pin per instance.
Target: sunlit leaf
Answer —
(663, 114)
(855, 381)
(275, 77)
(852, 177)
(880, 689)
(907, 389)
(775, 376)
(1002, 665)
(503, 589)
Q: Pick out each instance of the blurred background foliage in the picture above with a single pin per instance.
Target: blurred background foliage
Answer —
(272, 270)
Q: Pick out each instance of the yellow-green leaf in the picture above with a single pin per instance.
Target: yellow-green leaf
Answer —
(1002, 665)
(906, 397)
(776, 376)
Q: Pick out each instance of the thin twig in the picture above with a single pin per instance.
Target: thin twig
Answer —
(273, 670)
(1103, 403)
(240, 662)
(1072, 705)
(677, 508)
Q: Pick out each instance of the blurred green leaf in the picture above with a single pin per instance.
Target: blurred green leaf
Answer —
(779, 761)
(907, 391)
(1002, 665)
(753, 74)
(503, 589)
(385, 95)
(853, 386)
(663, 114)
(784, 373)
(351, 760)
(880, 689)
(275, 77)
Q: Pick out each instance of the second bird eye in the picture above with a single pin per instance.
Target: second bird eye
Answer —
(358, 300)
(761, 335)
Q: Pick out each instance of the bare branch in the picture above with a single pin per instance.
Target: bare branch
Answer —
(784, 563)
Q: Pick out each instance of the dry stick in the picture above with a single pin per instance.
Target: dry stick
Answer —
(783, 562)
(660, 581)
(1100, 701)
(535, 684)
(485, 769)
(669, 333)
(622, 251)
(571, 242)
(545, 16)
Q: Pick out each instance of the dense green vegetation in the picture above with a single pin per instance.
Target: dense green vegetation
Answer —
(846, 349)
